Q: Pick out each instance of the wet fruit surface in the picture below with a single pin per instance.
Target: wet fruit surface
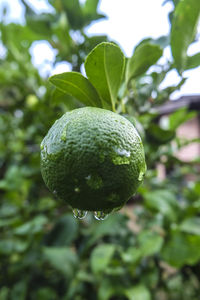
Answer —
(93, 159)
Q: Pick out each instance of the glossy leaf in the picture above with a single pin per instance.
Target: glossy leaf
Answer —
(110, 226)
(158, 135)
(8, 211)
(191, 225)
(4, 292)
(64, 232)
(90, 13)
(162, 201)
(13, 245)
(150, 243)
(74, 13)
(181, 249)
(32, 227)
(62, 259)
(104, 67)
(162, 41)
(183, 30)
(45, 293)
(61, 98)
(179, 117)
(19, 290)
(78, 86)
(132, 255)
(193, 61)
(40, 24)
(107, 289)
(101, 257)
(90, 7)
(138, 292)
(144, 56)
(165, 93)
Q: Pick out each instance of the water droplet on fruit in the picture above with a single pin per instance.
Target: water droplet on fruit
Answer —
(79, 214)
(141, 175)
(122, 158)
(64, 134)
(41, 147)
(100, 215)
(123, 152)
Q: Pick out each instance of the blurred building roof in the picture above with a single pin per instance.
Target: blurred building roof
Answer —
(192, 102)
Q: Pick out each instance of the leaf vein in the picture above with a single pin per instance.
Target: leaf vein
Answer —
(74, 85)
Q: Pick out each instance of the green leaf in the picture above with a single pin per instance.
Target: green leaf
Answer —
(9, 222)
(138, 292)
(150, 243)
(158, 135)
(44, 293)
(165, 93)
(191, 225)
(106, 289)
(114, 225)
(89, 10)
(4, 292)
(90, 7)
(163, 201)
(19, 290)
(21, 36)
(76, 85)
(40, 24)
(104, 67)
(74, 13)
(10, 246)
(32, 227)
(179, 117)
(181, 249)
(131, 256)
(183, 30)
(144, 56)
(59, 97)
(62, 259)
(46, 203)
(64, 231)
(8, 210)
(163, 41)
(101, 257)
(193, 61)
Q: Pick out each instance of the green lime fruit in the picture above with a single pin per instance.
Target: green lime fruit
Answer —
(93, 159)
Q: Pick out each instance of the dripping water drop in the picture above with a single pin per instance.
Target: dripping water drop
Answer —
(100, 215)
(79, 214)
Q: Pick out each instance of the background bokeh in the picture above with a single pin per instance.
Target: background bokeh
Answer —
(150, 249)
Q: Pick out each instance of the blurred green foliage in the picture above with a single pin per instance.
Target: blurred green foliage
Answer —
(150, 250)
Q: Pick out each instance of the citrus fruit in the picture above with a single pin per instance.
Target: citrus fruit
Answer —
(93, 159)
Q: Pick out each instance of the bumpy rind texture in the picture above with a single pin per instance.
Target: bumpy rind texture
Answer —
(93, 159)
